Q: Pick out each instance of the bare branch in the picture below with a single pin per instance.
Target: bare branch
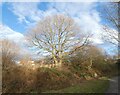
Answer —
(53, 34)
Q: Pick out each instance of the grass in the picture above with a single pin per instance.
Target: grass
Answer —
(91, 86)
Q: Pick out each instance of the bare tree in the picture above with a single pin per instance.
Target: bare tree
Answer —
(9, 51)
(56, 35)
(111, 36)
(111, 16)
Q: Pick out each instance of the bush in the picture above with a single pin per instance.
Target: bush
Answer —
(25, 80)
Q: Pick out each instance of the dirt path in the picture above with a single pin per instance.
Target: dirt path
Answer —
(113, 88)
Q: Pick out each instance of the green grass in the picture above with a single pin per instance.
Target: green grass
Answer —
(92, 86)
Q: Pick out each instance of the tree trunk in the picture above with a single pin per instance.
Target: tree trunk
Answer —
(60, 63)
(91, 62)
(60, 59)
(55, 60)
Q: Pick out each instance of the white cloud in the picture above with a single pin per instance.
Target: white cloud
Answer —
(7, 33)
(96, 40)
(84, 13)
(18, 38)
(26, 12)
(29, 13)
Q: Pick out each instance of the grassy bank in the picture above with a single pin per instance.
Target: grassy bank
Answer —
(91, 86)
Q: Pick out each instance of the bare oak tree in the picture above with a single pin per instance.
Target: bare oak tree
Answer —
(56, 35)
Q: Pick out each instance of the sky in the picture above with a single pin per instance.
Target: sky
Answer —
(19, 17)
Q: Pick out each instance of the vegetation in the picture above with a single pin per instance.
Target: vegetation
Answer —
(18, 79)
(56, 35)
(81, 64)
(91, 86)
(111, 16)
(9, 51)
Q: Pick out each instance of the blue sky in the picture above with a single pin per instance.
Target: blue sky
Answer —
(10, 18)
(21, 16)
